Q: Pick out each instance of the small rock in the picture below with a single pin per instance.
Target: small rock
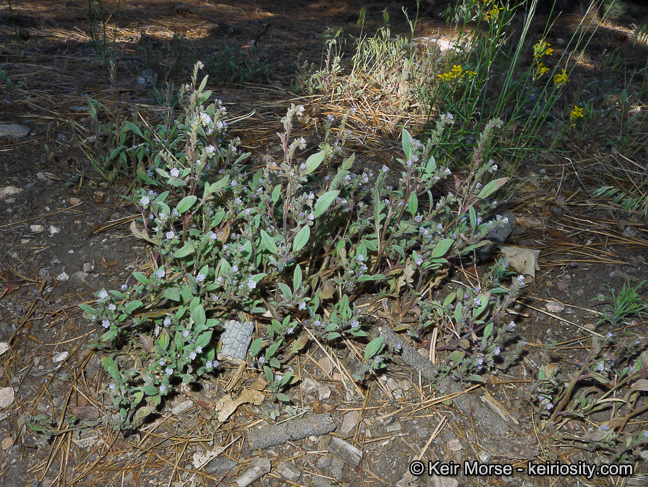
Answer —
(323, 392)
(220, 466)
(14, 130)
(326, 365)
(554, 306)
(289, 471)
(8, 191)
(323, 462)
(394, 428)
(309, 386)
(444, 481)
(182, 407)
(54, 230)
(349, 453)
(37, 228)
(405, 384)
(337, 467)
(59, 357)
(349, 422)
(63, 277)
(484, 456)
(455, 445)
(392, 385)
(87, 267)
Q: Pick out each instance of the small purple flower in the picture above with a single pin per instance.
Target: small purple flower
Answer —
(112, 387)
(124, 287)
(200, 277)
(198, 349)
(209, 364)
(302, 305)
(162, 389)
(162, 362)
(233, 183)
(105, 324)
(234, 269)
(160, 273)
(112, 307)
(175, 173)
(601, 367)
(511, 326)
(169, 371)
(192, 355)
(167, 321)
(145, 200)
(645, 433)
(170, 235)
(251, 284)
(355, 324)
(605, 427)
(103, 294)
(261, 360)
(497, 351)
(185, 333)
(549, 406)
(419, 261)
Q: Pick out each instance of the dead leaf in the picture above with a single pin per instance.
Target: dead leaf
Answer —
(85, 412)
(524, 261)
(327, 290)
(554, 306)
(139, 233)
(223, 234)
(530, 222)
(227, 406)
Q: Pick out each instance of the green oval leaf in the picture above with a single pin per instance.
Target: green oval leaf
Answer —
(186, 203)
(441, 248)
(373, 348)
(268, 243)
(301, 239)
(314, 161)
(324, 201)
(491, 187)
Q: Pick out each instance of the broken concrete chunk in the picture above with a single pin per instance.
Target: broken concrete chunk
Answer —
(220, 466)
(258, 468)
(236, 339)
(318, 424)
(289, 471)
(346, 451)
(349, 422)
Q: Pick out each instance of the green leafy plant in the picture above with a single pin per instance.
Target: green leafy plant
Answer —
(625, 304)
(230, 64)
(293, 244)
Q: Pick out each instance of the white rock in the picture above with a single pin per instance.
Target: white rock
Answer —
(59, 357)
(554, 306)
(8, 191)
(36, 228)
(62, 277)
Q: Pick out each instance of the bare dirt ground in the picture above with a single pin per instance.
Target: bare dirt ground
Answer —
(64, 235)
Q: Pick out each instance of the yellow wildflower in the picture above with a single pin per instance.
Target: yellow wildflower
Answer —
(561, 79)
(576, 113)
(542, 49)
(542, 69)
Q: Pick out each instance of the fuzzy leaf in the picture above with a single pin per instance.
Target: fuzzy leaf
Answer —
(491, 187)
(324, 201)
(301, 239)
(186, 203)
